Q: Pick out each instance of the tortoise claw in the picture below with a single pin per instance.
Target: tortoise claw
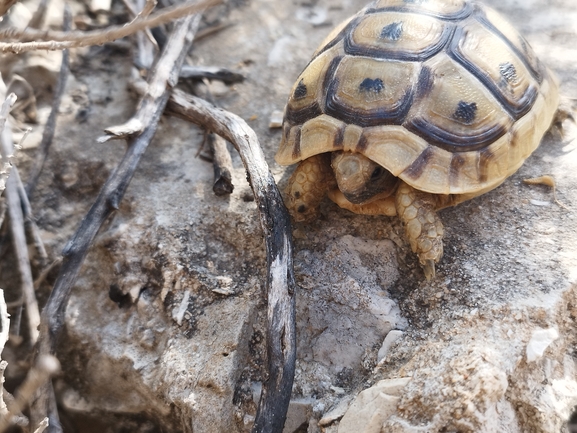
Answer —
(429, 269)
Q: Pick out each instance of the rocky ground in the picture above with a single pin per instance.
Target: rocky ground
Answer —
(165, 328)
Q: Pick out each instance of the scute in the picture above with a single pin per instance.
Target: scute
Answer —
(444, 94)
(457, 114)
(446, 9)
(493, 62)
(500, 26)
(367, 92)
(398, 35)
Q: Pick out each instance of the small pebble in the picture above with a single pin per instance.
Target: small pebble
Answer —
(275, 119)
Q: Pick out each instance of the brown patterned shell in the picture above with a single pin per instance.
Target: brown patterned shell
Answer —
(445, 94)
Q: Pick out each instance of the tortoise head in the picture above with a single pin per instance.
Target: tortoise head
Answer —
(360, 179)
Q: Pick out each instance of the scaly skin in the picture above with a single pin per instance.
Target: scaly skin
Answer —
(308, 185)
(423, 227)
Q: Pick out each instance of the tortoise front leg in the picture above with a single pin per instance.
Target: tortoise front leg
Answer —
(307, 186)
(423, 227)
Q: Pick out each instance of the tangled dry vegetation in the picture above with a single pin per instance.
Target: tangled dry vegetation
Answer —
(33, 404)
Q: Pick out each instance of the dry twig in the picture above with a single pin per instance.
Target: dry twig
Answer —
(212, 73)
(164, 76)
(45, 367)
(222, 165)
(50, 127)
(50, 40)
(19, 240)
(281, 335)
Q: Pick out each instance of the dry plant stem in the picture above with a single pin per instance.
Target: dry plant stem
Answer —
(212, 73)
(209, 31)
(61, 40)
(275, 221)
(30, 224)
(45, 367)
(17, 226)
(23, 261)
(50, 128)
(222, 165)
(164, 76)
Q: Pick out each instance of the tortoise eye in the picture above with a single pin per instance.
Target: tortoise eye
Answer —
(376, 173)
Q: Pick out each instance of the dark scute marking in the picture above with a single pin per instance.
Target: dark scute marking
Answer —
(362, 144)
(379, 52)
(508, 72)
(415, 170)
(339, 138)
(302, 208)
(300, 91)
(370, 85)
(452, 142)
(392, 31)
(297, 194)
(424, 83)
(298, 117)
(534, 69)
(485, 157)
(457, 161)
(465, 112)
(297, 145)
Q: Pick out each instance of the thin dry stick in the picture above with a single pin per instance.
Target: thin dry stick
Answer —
(164, 76)
(20, 247)
(212, 73)
(62, 40)
(222, 165)
(45, 367)
(30, 224)
(17, 225)
(275, 221)
(50, 128)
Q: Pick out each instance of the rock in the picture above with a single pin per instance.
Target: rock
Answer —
(390, 339)
(372, 407)
(540, 340)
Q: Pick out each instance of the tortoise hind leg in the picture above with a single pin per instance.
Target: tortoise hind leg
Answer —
(307, 186)
(423, 227)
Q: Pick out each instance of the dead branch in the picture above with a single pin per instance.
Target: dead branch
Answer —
(51, 40)
(50, 127)
(29, 223)
(45, 367)
(275, 221)
(17, 225)
(212, 73)
(222, 165)
(20, 247)
(164, 76)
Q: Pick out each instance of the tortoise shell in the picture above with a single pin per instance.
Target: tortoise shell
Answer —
(444, 94)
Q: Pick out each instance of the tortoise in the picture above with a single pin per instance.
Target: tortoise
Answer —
(411, 106)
